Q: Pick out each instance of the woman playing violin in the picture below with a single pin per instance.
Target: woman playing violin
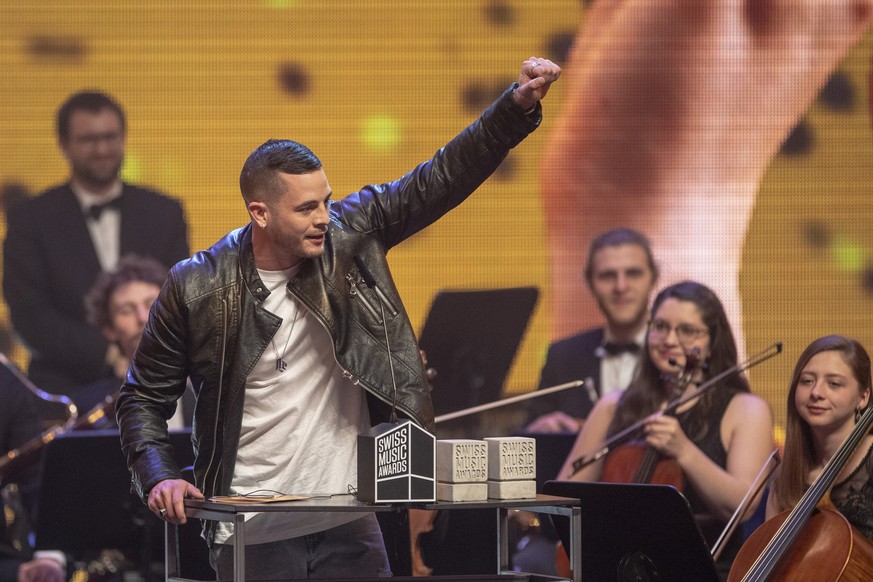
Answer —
(829, 389)
(720, 441)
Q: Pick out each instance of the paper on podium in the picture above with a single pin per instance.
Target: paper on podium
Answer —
(257, 498)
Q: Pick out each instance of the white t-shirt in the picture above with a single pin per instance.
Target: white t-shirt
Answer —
(300, 426)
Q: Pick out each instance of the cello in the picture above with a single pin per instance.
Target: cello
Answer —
(813, 541)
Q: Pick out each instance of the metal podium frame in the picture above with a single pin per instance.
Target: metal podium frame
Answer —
(222, 511)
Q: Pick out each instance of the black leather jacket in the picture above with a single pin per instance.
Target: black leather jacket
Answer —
(208, 323)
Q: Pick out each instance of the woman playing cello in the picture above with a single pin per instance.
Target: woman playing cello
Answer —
(829, 389)
(827, 448)
(720, 441)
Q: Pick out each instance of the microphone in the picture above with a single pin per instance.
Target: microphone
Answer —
(371, 283)
(396, 460)
(694, 356)
(368, 278)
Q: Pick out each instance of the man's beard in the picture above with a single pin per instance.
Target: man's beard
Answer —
(297, 245)
(101, 179)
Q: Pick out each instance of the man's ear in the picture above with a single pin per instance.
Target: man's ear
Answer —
(258, 211)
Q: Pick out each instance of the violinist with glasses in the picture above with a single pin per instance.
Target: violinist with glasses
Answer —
(711, 447)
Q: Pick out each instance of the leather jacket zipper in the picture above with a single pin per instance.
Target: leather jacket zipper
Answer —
(346, 374)
(217, 416)
(356, 293)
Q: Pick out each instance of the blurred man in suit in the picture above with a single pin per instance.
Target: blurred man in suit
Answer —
(58, 242)
(621, 274)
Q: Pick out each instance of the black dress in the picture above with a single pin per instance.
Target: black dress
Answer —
(853, 496)
(710, 444)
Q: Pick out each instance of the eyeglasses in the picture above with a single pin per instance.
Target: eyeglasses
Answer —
(685, 332)
(92, 139)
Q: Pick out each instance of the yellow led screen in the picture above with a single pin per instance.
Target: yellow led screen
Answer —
(739, 143)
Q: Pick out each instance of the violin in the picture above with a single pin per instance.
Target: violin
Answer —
(813, 541)
(629, 432)
(638, 462)
(670, 476)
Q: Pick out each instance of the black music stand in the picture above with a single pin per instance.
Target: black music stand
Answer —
(636, 533)
(85, 502)
(471, 338)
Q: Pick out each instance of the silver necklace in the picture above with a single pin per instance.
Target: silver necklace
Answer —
(280, 363)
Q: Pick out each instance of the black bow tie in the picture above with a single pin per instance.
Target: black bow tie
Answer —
(94, 211)
(615, 349)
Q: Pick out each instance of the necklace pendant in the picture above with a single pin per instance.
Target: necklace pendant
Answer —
(281, 365)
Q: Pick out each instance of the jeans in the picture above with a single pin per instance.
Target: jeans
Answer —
(351, 550)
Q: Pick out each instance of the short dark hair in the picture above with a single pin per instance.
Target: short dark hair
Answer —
(129, 269)
(93, 101)
(615, 238)
(259, 179)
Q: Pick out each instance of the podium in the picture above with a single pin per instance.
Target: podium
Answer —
(235, 512)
